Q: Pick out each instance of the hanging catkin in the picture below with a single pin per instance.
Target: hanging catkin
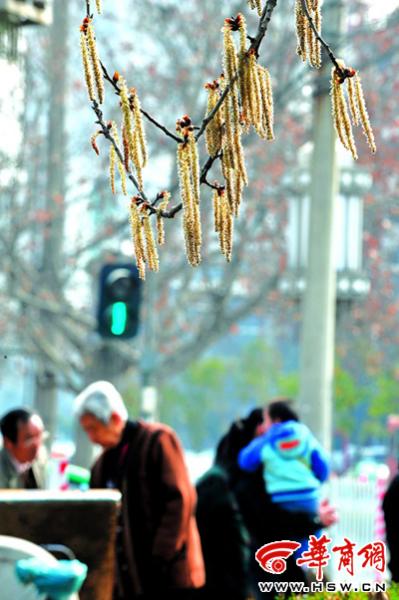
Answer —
(95, 62)
(213, 132)
(358, 110)
(151, 249)
(87, 68)
(160, 226)
(137, 236)
(188, 170)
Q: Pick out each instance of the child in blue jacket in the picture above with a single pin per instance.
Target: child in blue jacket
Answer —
(294, 463)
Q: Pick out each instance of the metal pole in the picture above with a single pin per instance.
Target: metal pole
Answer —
(318, 327)
(149, 361)
(46, 386)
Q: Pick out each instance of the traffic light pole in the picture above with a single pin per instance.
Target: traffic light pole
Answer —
(149, 410)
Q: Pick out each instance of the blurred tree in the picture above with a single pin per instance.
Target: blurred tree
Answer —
(192, 308)
(213, 391)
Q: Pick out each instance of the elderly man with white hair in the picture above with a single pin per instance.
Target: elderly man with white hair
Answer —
(158, 549)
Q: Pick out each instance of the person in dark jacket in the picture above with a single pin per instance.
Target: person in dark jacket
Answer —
(158, 546)
(253, 519)
(390, 506)
(224, 538)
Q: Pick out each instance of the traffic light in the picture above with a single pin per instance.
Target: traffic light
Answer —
(119, 301)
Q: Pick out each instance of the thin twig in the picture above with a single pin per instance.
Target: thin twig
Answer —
(88, 11)
(146, 114)
(109, 137)
(162, 127)
(263, 25)
(207, 166)
(213, 112)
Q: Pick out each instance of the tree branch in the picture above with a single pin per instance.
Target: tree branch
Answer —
(145, 113)
(255, 44)
(263, 25)
(109, 137)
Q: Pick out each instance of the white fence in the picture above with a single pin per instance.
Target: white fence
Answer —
(360, 520)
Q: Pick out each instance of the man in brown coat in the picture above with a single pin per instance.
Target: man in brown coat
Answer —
(158, 551)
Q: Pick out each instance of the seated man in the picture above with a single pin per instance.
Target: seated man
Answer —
(22, 458)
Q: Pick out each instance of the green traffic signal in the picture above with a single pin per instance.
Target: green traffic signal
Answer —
(118, 318)
(118, 300)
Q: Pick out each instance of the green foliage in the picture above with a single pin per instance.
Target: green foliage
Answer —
(386, 399)
(202, 402)
(197, 404)
(211, 393)
(347, 395)
(131, 396)
(259, 375)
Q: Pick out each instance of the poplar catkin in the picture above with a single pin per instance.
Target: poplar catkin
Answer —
(126, 155)
(133, 131)
(216, 210)
(190, 227)
(137, 235)
(232, 109)
(151, 249)
(267, 102)
(300, 22)
(255, 101)
(188, 170)
(139, 126)
(160, 226)
(112, 158)
(363, 114)
(308, 46)
(358, 111)
(229, 53)
(95, 61)
(340, 115)
(229, 179)
(125, 106)
(87, 66)
(98, 6)
(343, 116)
(317, 45)
(256, 4)
(353, 102)
(226, 228)
(244, 92)
(213, 132)
(194, 167)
